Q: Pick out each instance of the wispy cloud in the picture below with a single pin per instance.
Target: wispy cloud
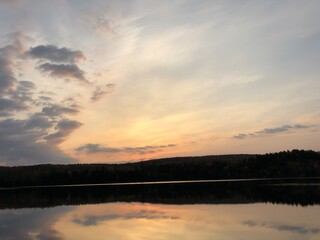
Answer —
(271, 131)
(97, 148)
(102, 91)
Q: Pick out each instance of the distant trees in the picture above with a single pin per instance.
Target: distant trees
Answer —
(295, 163)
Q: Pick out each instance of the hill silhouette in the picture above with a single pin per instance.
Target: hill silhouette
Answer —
(295, 163)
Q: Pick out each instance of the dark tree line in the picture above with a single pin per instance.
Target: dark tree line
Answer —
(295, 163)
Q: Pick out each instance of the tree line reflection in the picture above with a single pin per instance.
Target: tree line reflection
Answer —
(276, 192)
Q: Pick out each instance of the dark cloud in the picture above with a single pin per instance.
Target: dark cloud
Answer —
(299, 126)
(97, 148)
(14, 94)
(25, 86)
(284, 128)
(241, 136)
(43, 101)
(66, 124)
(19, 224)
(101, 91)
(38, 122)
(7, 56)
(271, 131)
(284, 227)
(23, 92)
(63, 128)
(61, 61)
(33, 140)
(45, 98)
(7, 79)
(7, 106)
(250, 223)
(56, 110)
(22, 142)
(55, 54)
(63, 71)
(92, 220)
(17, 99)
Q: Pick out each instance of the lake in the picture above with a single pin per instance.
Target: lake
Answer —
(265, 209)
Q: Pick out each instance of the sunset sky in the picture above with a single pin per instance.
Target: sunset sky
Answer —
(118, 81)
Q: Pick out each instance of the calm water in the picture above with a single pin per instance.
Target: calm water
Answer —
(185, 211)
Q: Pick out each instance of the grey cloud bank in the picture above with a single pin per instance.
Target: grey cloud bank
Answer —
(97, 148)
(270, 131)
(33, 136)
(21, 142)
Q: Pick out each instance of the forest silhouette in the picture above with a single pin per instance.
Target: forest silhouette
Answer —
(286, 164)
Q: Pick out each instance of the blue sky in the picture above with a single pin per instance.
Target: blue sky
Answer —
(116, 81)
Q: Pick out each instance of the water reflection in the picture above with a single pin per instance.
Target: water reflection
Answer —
(162, 221)
(189, 193)
(191, 212)
(31, 223)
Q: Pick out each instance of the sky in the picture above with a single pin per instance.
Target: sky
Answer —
(119, 81)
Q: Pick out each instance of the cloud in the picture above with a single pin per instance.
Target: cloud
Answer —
(37, 221)
(241, 136)
(38, 122)
(299, 126)
(284, 128)
(55, 54)
(271, 131)
(101, 91)
(283, 227)
(17, 48)
(7, 79)
(63, 71)
(23, 91)
(143, 214)
(22, 142)
(14, 94)
(108, 23)
(97, 148)
(34, 139)
(7, 106)
(55, 110)
(50, 234)
(17, 99)
(25, 86)
(61, 61)
(105, 26)
(63, 128)
(45, 98)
